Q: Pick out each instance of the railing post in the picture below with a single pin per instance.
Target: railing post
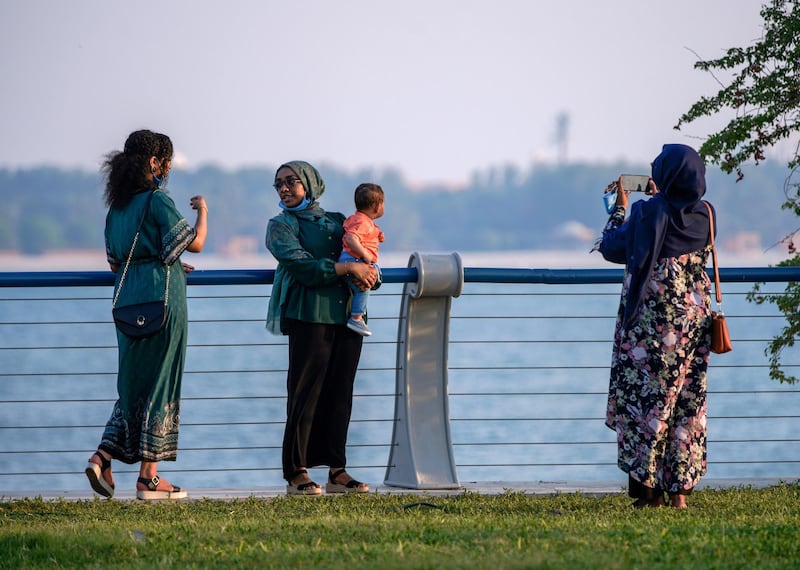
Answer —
(421, 455)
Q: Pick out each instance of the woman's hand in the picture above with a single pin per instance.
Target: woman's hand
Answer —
(652, 189)
(622, 195)
(363, 275)
(198, 203)
(187, 269)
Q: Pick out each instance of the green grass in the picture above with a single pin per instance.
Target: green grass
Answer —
(732, 528)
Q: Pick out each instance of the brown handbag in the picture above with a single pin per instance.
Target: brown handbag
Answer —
(720, 339)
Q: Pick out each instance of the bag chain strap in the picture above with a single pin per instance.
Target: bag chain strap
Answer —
(130, 255)
(125, 270)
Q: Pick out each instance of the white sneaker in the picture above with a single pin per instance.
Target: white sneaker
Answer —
(359, 326)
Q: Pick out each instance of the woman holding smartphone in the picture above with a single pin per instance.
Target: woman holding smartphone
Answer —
(657, 390)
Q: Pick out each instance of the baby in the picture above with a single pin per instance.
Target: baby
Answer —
(360, 243)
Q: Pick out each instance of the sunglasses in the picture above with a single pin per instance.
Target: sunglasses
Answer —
(288, 182)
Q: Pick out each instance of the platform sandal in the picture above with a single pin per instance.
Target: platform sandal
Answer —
(153, 494)
(94, 473)
(352, 486)
(309, 489)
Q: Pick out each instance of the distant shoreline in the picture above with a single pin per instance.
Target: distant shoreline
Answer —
(94, 260)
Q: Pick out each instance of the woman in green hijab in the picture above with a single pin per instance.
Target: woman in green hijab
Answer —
(310, 303)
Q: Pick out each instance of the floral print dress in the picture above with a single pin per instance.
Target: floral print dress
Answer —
(657, 391)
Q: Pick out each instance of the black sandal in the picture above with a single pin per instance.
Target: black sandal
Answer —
(153, 494)
(308, 489)
(351, 486)
(94, 473)
(645, 496)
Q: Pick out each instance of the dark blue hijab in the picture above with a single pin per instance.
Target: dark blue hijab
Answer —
(671, 223)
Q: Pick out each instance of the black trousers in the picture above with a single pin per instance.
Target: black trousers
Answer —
(323, 360)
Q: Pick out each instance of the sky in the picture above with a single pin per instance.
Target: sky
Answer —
(437, 89)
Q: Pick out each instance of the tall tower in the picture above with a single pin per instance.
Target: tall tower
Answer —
(562, 136)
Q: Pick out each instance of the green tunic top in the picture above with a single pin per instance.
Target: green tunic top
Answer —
(306, 287)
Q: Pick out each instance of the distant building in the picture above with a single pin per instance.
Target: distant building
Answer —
(743, 242)
(239, 246)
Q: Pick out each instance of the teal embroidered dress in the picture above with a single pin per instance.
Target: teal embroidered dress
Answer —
(145, 420)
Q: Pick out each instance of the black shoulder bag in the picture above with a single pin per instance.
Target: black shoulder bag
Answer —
(140, 320)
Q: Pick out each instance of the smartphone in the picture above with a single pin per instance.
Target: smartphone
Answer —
(635, 182)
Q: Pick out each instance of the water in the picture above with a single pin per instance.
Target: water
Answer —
(526, 399)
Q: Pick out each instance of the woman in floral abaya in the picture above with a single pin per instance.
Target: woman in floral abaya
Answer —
(143, 426)
(657, 392)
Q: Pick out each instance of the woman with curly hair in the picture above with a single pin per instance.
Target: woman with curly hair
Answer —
(143, 426)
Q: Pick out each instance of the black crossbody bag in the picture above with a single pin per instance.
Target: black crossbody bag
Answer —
(140, 320)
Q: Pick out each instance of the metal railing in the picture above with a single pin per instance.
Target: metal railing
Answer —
(527, 361)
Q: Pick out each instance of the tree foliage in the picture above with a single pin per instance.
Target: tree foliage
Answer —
(764, 99)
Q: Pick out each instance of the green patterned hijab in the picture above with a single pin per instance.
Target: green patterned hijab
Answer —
(278, 238)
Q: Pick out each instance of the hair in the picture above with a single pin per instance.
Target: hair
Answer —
(128, 172)
(368, 195)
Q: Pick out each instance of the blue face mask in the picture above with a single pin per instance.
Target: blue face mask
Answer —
(301, 206)
(158, 180)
